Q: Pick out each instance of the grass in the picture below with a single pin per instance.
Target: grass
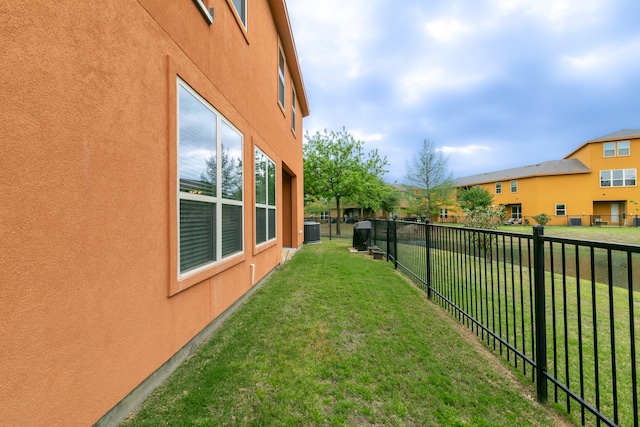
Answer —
(336, 338)
(626, 235)
(500, 296)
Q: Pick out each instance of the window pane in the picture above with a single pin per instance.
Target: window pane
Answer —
(630, 177)
(623, 148)
(197, 234)
(272, 224)
(609, 149)
(261, 177)
(293, 109)
(281, 91)
(514, 186)
(605, 178)
(197, 142)
(240, 6)
(281, 78)
(271, 183)
(231, 163)
(617, 178)
(261, 225)
(231, 229)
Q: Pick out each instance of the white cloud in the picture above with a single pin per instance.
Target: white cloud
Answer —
(559, 14)
(447, 29)
(604, 62)
(468, 150)
(351, 25)
(362, 135)
(419, 84)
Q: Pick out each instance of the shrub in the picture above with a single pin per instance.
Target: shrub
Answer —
(542, 219)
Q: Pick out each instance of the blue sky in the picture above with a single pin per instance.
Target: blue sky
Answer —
(495, 84)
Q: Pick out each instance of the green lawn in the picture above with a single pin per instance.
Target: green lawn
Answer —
(627, 235)
(336, 338)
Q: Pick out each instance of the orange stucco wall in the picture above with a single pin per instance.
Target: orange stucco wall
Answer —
(87, 180)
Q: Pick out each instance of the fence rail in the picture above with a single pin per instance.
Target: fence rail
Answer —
(563, 311)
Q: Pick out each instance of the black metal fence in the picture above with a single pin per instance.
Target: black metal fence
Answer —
(562, 311)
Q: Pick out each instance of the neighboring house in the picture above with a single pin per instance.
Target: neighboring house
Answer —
(594, 185)
(151, 175)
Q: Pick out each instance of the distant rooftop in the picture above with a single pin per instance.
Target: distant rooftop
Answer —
(553, 167)
(621, 134)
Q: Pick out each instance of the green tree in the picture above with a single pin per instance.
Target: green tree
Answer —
(428, 170)
(389, 202)
(475, 198)
(337, 168)
(487, 218)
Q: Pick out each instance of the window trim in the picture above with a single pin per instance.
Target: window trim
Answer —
(628, 144)
(282, 78)
(513, 186)
(267, 206)
(624, 179)
(242, 22)
(193, 78)
(206, 13)
(218, 200)
(614, 149)
(498, 187)
(561, 207)
(294, 115)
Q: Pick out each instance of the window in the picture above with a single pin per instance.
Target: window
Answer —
(498, 188)
(444, 213)
(618, 178)
(293, 110)
(241, 10)
(620, 148)
(265, 170)
(204, 11)
(609, 149)
(210, 200)
(280, 77)
(516, 211)
(514, 186)
(623, 148)
(561, 209)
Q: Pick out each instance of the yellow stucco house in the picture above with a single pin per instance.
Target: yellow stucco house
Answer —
(596, 184)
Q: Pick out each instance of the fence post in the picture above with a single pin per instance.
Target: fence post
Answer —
(329, 227)
(541, 323)
(395, 244)
(427, 233)
(388, 227)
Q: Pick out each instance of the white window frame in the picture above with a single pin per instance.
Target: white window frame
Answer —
(513, 185)
(609, 149)
(623, 146)
(444, 213)
(242, 14)
(218, 200)
(626, 177)
(293, 109)
(266, 206)
(498, 188)
(561, 209)
(282, 64)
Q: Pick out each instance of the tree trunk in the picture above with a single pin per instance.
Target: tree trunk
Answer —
(338, 216)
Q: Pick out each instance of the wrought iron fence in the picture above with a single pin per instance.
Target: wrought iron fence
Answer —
(563, 311)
